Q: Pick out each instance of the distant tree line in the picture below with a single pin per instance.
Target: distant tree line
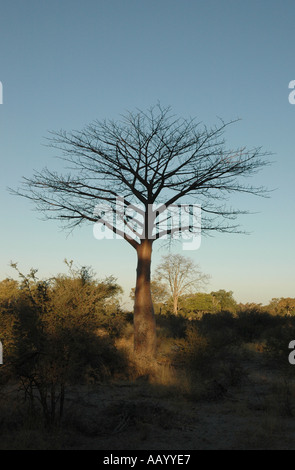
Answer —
(195, 305)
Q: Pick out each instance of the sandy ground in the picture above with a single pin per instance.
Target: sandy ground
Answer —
(140, 416)
(256, 414)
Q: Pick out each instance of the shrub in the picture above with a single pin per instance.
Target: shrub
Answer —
(252, 324)
(276, 343)
(175, 325)
(56, 341)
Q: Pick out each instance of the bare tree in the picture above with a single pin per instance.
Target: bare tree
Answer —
(148, 161)
(182, 276)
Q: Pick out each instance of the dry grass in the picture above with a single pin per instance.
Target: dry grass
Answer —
(150, 370)
(160, 373)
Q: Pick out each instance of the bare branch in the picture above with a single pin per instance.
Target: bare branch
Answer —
(147, 158)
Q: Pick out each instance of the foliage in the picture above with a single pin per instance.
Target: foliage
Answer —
(55, 337)
(211, 354)
(225, 300)
(9, 291)
(281, 306)
(253, 324)
(195, 305)
(276, 344)
(174, 325)
(66, 330)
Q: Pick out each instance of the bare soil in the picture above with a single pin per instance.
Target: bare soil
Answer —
(256, 415)
(139, 415)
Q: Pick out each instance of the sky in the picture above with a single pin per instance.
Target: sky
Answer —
(66, 64)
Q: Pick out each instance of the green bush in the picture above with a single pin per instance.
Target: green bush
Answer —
(56, 338)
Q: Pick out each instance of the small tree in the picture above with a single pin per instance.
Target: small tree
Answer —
(181, 275)
(148, 162)
(225, 300)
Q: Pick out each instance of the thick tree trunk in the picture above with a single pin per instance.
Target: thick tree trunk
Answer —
(144, 317)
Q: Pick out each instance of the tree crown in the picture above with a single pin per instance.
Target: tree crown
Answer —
(149, 161)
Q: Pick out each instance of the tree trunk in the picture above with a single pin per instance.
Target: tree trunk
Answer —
(175, 304)
(144, 317)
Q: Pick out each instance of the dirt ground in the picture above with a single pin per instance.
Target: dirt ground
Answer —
(138, 415)
(141, 416)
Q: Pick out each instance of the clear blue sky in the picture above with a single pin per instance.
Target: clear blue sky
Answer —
(65, 63)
